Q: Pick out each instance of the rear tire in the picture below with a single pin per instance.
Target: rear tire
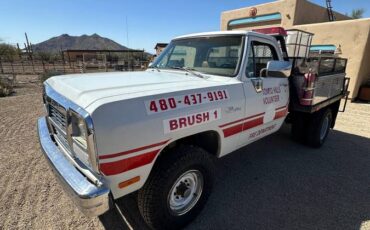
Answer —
(319, 127)
(178, 188)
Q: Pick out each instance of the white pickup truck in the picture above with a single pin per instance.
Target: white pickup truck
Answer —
(158, 132)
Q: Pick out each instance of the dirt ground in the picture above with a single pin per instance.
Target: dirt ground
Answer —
(274, 183)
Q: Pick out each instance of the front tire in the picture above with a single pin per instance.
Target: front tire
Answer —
(178, 188)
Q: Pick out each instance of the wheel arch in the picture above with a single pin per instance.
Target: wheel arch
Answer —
(209, 140)
(202, 140)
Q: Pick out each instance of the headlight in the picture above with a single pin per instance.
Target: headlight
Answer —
(79, 131)
(81, 139)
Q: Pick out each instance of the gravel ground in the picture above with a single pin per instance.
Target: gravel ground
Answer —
(274, 183)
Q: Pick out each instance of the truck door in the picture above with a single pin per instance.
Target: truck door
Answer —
(266, 97)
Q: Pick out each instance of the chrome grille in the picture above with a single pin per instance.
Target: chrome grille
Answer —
(58, 115)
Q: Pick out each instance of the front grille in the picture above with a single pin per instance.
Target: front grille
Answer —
(58, 114)
(58, 120)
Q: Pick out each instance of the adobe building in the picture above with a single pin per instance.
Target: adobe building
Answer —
(349, 37)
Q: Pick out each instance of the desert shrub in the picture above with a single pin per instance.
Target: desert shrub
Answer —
(8, 52)
(6, 85)
(48, 74)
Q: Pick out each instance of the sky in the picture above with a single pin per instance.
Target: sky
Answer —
(145, 22)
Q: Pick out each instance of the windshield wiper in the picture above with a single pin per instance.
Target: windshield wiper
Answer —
(189, 70)
(155, 67)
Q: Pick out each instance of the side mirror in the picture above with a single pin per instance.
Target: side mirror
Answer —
(279, 69)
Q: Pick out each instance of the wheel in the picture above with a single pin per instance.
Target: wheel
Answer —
(319, 127)
(178, 188)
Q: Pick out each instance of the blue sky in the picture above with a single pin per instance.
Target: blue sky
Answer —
(149, 22)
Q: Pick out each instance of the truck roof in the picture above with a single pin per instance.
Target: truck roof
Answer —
(215, 33)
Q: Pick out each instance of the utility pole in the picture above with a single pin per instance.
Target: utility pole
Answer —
(128, 45)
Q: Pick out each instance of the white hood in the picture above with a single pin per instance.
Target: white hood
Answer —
(85, 89)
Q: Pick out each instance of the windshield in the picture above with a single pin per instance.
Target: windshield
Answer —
(219, 55)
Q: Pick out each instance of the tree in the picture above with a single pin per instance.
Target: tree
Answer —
(357, 13)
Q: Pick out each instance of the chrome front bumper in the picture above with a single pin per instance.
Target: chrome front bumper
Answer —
(91, 199)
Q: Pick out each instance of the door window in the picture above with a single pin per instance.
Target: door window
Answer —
(258, 57)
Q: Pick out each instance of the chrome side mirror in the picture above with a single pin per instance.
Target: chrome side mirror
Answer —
(278, 69)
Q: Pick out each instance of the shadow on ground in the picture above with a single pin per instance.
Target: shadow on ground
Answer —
(276, 183)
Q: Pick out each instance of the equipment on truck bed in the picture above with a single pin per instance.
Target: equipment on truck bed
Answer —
(315, 81)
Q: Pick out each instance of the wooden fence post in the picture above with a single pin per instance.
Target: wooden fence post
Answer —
(1, 65)
(11, 64)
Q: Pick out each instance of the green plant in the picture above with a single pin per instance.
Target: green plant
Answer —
(6, 85)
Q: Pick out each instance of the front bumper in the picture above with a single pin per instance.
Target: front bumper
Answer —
(91, 199)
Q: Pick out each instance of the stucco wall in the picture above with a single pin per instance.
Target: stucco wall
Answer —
(353, 37)
(307, 13)
(293, 12)
(284, 7)
(365, 68)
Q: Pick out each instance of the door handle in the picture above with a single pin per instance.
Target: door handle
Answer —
(258, 84)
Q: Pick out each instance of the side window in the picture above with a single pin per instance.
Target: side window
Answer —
(258, 57)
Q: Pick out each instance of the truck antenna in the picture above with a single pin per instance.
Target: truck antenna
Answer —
(128, 44)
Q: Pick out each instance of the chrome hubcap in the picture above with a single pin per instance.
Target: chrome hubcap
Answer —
(324, 128)
(185, 192)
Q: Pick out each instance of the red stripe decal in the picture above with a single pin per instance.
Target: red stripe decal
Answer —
(242, 127)
(233, 130)
(243, 119)
(250, 124)
(116, 167)
(282, 107)
(253, 123)
(132, 150)
(280, 114)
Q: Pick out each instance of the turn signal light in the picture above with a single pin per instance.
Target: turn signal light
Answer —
(129, 182)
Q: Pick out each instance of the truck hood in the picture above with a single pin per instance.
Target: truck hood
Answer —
(85, 89)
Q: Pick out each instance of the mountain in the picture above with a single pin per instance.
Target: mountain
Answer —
(87, 42)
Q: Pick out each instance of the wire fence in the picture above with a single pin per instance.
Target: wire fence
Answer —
(40, 67)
